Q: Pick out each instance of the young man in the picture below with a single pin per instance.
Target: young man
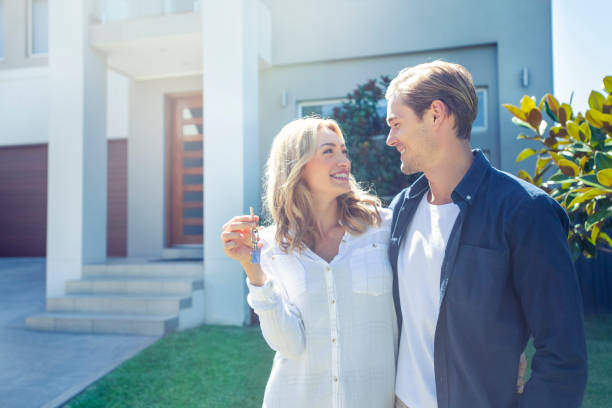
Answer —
(480, 261)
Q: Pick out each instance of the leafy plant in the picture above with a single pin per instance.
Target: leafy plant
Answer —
(365, 130)
(574, 163)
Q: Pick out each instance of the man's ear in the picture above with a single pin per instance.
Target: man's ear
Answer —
(438, 110)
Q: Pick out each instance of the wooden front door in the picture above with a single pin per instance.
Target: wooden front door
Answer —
(185, 176)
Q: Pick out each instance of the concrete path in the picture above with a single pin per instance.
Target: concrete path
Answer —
(42, 369)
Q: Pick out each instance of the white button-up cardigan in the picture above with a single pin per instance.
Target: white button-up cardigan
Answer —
(333, 326)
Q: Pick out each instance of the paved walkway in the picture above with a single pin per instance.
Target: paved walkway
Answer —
(39, 369)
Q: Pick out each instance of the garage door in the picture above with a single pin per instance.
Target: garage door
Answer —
(23, 200)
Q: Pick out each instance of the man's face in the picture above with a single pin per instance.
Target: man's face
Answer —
(411, 136)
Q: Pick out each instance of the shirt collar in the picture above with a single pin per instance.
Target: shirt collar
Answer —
(418, 187)
(471, 181)
(467, 187)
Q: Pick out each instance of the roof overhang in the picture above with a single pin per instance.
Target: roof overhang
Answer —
(164, 46)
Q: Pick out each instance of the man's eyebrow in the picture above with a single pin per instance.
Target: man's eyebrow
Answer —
(391, 119)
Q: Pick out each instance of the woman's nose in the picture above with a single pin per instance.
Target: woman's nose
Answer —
(344, 161)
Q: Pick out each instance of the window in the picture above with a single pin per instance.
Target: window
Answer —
(381, 109)
(480, 124)
(323, 107)
(1, 30)
(38, 27)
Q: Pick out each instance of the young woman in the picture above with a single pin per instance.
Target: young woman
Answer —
(323, 288)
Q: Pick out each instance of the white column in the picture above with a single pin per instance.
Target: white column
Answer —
(231, 168)
(76, 204)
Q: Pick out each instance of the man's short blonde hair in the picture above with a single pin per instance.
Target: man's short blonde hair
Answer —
(449, 83)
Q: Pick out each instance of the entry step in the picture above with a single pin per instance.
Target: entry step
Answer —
(136, 324)
(132, 304)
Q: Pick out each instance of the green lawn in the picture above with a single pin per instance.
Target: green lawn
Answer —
(599, 346)
(229, 367)
(203, 367)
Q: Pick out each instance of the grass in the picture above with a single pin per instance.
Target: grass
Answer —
(599, 349)
(228, 367)
(204, 367)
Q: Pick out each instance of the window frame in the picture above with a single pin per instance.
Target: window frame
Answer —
(382, 102)
(316, 102)
(484, 103)
(2, 31)
(30, 33)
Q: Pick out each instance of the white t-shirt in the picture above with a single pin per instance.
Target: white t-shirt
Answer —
(419, 265)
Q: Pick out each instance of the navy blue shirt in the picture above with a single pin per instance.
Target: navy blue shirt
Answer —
(506, 275)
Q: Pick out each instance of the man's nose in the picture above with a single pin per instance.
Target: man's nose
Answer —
(391, 140)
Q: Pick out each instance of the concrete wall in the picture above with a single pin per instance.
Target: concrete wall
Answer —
(24, 105)
(77, 155)
(231, 146)
(146, 162)
(322, 31)
(24, 100)
(337, 78)
(24, 90)
(118, 97)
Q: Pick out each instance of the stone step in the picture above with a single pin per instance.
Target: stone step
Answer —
(132, 286)
(180, 270)
(119, 304)
(149, 325)
(184, 252)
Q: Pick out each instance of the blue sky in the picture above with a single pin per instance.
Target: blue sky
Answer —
(582, 51)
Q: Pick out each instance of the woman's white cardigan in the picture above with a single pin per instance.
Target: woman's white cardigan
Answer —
(333, 326)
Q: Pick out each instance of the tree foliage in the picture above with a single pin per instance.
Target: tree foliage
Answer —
(574, 162)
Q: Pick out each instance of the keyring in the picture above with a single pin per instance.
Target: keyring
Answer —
(255, 251)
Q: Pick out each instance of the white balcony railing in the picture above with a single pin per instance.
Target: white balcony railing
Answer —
(107, 11)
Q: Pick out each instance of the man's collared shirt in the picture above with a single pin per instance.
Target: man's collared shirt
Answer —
(506, 274)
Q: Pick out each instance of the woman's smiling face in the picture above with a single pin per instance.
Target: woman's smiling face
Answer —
(328, 171)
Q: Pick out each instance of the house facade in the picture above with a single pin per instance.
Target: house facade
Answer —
(131, 130)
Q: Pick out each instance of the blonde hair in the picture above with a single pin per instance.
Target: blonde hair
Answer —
(450, 83)
(287, 197)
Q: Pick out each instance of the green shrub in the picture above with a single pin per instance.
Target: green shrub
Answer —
(574, 163)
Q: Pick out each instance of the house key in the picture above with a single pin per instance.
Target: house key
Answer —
(255, 252)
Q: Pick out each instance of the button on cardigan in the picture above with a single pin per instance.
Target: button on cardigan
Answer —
(332, 325)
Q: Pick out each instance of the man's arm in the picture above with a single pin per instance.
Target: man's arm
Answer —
(549, 293)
